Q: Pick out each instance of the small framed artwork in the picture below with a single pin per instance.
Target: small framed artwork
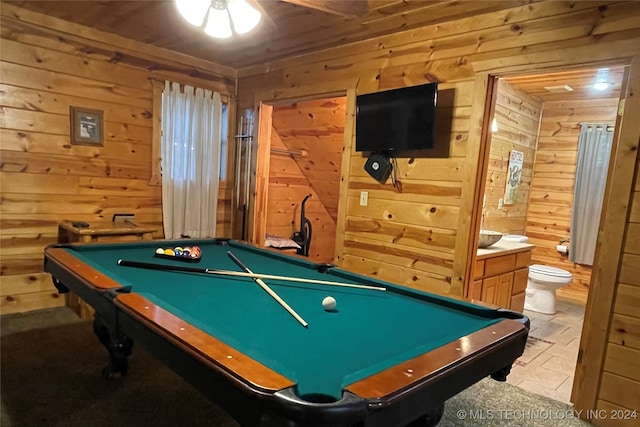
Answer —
(86, 127)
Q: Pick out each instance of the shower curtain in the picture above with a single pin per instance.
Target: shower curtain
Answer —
(594, 149)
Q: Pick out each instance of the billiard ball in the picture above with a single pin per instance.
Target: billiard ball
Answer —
(160, 251)
(329, 303)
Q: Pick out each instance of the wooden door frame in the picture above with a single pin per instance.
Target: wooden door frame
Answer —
(264, 103)
(615, 210)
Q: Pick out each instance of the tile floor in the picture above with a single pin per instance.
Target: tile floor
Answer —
(549, 360)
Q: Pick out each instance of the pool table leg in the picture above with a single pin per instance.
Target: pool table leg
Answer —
(430, 419)
(501, 375)
(117, 344)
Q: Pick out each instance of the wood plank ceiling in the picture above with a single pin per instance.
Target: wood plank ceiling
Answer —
(288, 30)
(571, 85)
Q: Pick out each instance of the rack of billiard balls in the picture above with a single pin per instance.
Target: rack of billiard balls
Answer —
(187, 253)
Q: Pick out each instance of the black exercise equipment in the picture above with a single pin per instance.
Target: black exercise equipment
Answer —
(303, 237)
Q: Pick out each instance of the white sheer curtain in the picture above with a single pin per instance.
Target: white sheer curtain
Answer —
(191, 141)
(594, 149)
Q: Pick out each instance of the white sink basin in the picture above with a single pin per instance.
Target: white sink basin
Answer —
(515, 238)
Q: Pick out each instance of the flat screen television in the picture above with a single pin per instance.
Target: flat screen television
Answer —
(397, 120)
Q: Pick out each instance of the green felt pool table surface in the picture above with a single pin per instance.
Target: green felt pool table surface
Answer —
(370, 332)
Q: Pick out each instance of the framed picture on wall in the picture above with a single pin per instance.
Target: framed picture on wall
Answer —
(87, 126)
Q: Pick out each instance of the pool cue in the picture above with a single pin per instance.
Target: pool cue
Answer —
(153, 266)
(268, 290)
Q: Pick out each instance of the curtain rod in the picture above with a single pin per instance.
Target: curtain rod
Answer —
(597, 124)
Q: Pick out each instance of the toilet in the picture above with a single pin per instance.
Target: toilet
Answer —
(542, 283)
(540, 295)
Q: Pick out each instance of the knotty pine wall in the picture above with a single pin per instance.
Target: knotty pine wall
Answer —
(553, 183)
(315, 129)
(620, 379)
(419, 237)
(46, 68)
(518, 117)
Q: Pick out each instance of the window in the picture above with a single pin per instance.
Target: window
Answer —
(156, 172)
(192, 158)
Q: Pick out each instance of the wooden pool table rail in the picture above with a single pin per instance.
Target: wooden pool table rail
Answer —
(91, 276)
(425, 367)
(200, 343)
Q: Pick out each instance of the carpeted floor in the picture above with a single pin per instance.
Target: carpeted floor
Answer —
(50, 376)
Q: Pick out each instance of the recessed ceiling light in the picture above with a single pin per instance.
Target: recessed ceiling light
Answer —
(559, 89)
(602, 79)
(601, 86)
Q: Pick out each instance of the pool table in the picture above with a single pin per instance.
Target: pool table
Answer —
(385, 356)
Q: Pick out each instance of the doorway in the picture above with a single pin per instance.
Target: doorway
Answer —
(298, 166)
(540, 116)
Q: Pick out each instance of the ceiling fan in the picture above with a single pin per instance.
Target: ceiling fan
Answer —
(222, 18)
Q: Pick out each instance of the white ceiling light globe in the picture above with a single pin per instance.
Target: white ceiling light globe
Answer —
(193, 11)
(244, 17)
(218, 25)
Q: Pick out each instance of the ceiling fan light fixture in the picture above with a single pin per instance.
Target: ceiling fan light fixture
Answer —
(218, 24)
(193, 11)
(244, 16)
(220, 18)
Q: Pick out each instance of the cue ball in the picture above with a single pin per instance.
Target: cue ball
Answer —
(329, 303)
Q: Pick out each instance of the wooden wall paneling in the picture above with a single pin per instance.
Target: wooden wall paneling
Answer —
(485, 89)
(426, 271)
(462, 51)
(602, 327)
(156, 136)
(419, 191)
(624, 330)
(345, 177)
(260, 186)
(409, 235)
(288, 186)
(388, 44)
(448, 42)
(426, 261)
(553, 183)
(413, 169)
(27, 292)
(623, 361)
(37, 29)
(603, 407)
(52, 81)
(49, 65)
(518, 118)
(621, 390)
(315, 128)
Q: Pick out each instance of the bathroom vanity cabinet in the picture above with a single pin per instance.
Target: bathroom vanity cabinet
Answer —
(500, 275)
